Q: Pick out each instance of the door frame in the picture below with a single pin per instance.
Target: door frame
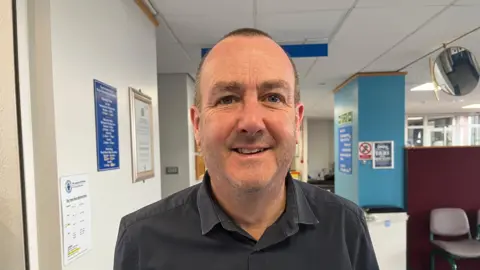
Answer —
(14, 226)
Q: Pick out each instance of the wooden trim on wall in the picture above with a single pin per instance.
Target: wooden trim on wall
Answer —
(367, 74)
(448, 146)
(147, 12)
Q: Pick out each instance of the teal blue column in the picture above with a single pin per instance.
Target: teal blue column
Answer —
(370, 108)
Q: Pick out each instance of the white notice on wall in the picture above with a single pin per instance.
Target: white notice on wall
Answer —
(76, 213)
(144, 141)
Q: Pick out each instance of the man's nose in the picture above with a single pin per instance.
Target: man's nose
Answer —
(251, 119)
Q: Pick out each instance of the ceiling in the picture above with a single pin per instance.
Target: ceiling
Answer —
(363, 35)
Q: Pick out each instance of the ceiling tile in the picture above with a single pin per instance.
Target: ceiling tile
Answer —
(203, 7)
(194, 51)
(447, 26)
(425, 103)
(289, 6)
(391, 3)
(470, 42)
(364, 36)
(295, 27)
(302, 65)
(163, 35)
(328, 70)
(205, 29)
(171, 58)
(419, 73)
(467, 2)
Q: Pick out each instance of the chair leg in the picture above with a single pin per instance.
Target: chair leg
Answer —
(452, 263)
(432, 260)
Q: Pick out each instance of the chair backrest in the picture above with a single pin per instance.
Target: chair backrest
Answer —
(478, 225)
(449, 222)
(478, 218)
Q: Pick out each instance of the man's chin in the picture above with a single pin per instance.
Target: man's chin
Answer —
(249, 184)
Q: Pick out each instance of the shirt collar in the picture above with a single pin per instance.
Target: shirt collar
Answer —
(304, 211)
(206, 206)
(298, 210)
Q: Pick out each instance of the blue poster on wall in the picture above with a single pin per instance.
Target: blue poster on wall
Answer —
(345, 142)
(106, 118)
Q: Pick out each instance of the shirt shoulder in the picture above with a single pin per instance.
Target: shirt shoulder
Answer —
(346, 222)
(326, 204)
(129, 237)
(182, 198)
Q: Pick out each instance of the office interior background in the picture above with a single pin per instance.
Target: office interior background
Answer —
(58, 48)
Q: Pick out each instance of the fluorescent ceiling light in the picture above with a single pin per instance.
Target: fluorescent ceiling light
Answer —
(472, 106)
(415, 118)
(424, 87)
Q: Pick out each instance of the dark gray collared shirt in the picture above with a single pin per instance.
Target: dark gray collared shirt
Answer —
(189, 230)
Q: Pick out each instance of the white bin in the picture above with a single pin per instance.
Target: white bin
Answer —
(389, 236)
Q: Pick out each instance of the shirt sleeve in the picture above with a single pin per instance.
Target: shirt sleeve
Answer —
(126, 250)
(364, 258)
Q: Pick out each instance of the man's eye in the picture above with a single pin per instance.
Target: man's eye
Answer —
(274, 98)
(227, 100)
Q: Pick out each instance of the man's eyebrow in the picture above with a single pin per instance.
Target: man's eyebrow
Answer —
(227, 86)
(273, 84)
(238, 87)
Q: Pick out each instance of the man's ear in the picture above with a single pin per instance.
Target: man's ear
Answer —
(195, 119)
(299, 112)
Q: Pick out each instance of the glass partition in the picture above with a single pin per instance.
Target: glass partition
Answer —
(445, 130)
(415, 136)
(474, 134)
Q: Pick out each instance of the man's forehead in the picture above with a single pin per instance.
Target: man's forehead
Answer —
(237, 56)
(234, 45)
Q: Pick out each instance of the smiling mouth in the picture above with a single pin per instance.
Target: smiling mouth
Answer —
(245, 151)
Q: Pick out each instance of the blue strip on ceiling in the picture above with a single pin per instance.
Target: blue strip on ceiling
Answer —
(296, 51)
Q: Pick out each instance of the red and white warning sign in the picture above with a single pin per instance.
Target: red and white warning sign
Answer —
(365, 150)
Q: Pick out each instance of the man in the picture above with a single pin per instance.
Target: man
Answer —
(248, 213)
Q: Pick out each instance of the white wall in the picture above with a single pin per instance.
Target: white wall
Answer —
(24, 66)
(11, 219)
(191, 137)
(175, 95)
(305, 149)
(300, 160)
(320, 145)
(72, 43)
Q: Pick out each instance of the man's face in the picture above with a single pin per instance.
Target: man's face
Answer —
(248, 122)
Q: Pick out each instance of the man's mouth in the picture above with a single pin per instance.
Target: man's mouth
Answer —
(245, 151)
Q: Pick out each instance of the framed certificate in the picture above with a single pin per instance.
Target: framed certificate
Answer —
(141, 128)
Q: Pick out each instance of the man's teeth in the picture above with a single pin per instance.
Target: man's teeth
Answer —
(249, 151)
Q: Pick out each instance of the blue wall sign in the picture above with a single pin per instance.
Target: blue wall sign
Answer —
(383, 155)
(345, 142)
(297, 50)
(106, 118)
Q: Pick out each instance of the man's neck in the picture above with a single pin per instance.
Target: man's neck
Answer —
(252, 211)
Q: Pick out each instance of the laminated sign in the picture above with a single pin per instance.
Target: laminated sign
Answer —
(345, 141)
(365, 150)
(383, 155)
